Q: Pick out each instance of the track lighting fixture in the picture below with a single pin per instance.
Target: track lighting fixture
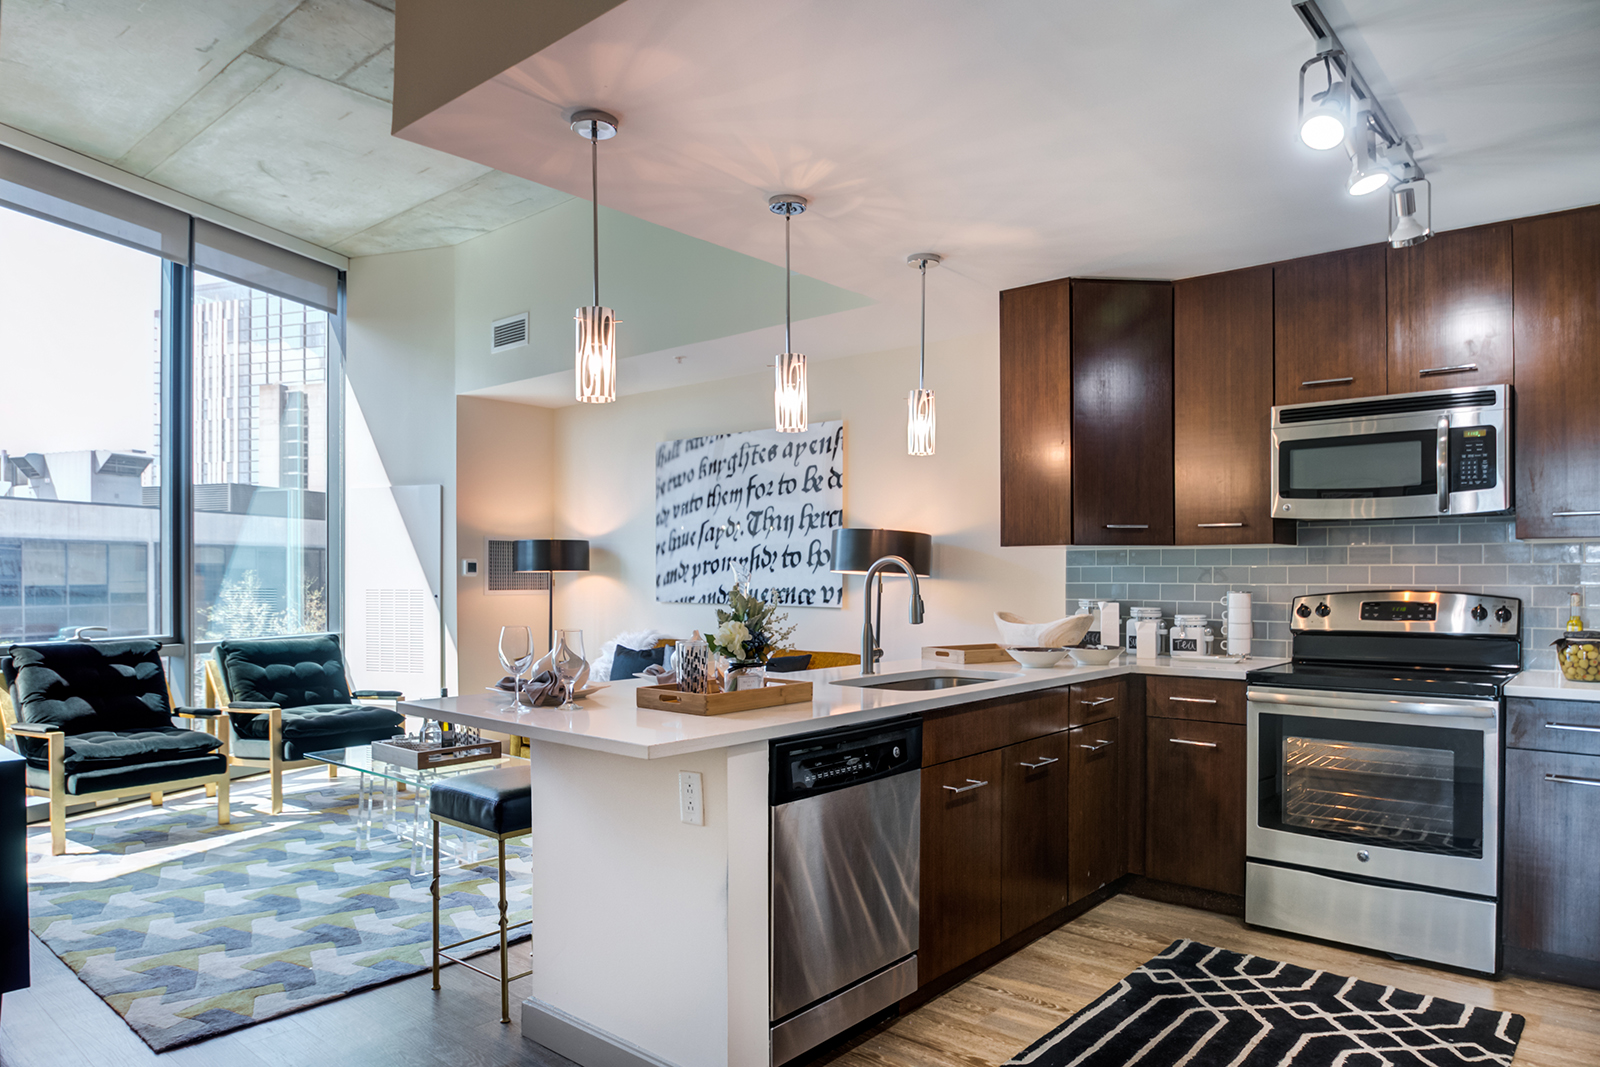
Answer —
(789, 398)
(595, 363)
(1411, 213)
(1325, 122)
(1367, 172)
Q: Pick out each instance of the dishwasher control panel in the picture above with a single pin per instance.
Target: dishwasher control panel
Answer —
(821, 763)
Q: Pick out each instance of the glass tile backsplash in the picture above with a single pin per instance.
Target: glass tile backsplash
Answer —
(1470, 555)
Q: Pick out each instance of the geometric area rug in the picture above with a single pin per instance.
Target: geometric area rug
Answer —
(1207, 1007)
(189, 930)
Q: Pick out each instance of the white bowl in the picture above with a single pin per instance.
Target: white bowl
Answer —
(1093, 657)
(1037, 657)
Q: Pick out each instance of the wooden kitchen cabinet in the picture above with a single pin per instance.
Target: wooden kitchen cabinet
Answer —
(1557, 373)
(1330, 321)
(1195, 803)
(1036, 415)
(1121, 412)
(1222, 410)
(1551, 919)
(1034, 838)
(1096, 813)
(1088, 701)
(1204, 699)
(961, 862)
(1450, 311)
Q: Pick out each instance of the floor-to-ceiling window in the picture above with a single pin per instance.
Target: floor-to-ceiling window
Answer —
(169, 422)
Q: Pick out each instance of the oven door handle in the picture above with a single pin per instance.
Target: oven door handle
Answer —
(1318, 698)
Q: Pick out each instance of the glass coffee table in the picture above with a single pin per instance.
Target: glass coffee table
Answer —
(377, 800)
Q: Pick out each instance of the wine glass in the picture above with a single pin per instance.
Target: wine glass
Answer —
(567, 659)
(516, 655)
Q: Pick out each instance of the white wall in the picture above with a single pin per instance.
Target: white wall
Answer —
(605, 492)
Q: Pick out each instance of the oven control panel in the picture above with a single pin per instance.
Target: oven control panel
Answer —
(1407, 611)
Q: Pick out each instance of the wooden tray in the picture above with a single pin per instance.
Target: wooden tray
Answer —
(427, 759)
(965, 654)
(773, 694)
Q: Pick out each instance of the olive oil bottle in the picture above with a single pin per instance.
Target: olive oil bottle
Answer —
(1576, 621)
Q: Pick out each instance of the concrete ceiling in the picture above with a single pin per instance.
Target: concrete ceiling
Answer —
(277, 110)
(1029, 139)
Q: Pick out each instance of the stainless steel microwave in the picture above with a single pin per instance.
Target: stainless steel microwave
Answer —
(1391, 457)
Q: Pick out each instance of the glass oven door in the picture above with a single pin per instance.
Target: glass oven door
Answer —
(1377, 787)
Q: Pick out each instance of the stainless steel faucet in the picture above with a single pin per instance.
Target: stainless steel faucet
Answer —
(870, 652)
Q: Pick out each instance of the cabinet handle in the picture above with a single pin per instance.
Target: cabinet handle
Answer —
(1127, 526)
(972, 783)
(1567, 779)
(1097, 746)
(1096, 703)
(1328, 381)
(1459, 368)
(1217, 525)
(1193, 700)
(1182, 741)
(1045, 762)
(1573, 727)
(1572, 514)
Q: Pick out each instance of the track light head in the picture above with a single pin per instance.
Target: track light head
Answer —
(1368, 173)
(1411, 213)
(1325, 117)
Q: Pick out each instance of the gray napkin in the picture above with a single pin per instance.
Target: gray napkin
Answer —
(659, 675)
(541, 691)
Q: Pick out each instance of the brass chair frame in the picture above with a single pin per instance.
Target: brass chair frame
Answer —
(505, 977)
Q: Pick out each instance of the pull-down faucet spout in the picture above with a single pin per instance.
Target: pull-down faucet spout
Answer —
(869, 638)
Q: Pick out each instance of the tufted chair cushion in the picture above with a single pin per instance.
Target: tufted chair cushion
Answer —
(290, 672)
(83, 687)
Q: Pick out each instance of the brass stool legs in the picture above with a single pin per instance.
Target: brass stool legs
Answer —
(505, 977)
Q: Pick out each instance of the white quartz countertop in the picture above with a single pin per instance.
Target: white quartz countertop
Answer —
(1551, 685)
(611, 721)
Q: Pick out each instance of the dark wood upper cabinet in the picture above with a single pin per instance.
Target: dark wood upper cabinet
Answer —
(1330, 322)
(961, 862)
(1034, 839)
(1450, 311)
(1036, 415)
(1557, 373)
(1121, 412)
(1222, 419)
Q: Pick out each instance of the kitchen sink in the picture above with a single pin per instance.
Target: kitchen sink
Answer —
(921, 681)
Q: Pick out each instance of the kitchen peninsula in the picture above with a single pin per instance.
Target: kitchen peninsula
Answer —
(651, 936)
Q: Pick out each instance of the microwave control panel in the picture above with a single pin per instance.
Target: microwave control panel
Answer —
(1472, 462)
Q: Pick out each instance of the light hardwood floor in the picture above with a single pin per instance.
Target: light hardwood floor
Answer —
(993, 1016)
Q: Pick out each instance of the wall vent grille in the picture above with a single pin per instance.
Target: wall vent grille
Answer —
(500, 578)
(396, 621)
(509, 333)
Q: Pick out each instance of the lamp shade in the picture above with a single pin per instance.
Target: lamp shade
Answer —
(855, 550)
(549, 555)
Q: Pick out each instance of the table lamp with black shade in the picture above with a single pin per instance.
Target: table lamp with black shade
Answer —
(550, 555)
(856, 549)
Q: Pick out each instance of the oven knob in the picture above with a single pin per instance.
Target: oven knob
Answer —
(1502, 614)
(1303, 611)
(1480, 612)
(1363, 855)
(1322, 611)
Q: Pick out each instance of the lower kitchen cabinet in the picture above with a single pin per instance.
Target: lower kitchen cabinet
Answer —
(1195, 803)
(1096, 812)
(961, 861)
(1034, 838)
(1552, 863)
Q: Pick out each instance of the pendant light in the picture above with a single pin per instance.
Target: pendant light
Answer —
(789, 395)
(596, 359)
(919, 405)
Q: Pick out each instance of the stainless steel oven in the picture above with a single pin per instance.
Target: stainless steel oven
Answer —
(1374, 794)
(1403, 456)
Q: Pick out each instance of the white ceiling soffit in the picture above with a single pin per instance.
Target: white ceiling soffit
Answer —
(277, 110)
(1035, 140)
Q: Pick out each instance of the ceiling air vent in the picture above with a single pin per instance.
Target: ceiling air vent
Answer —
(509, 333)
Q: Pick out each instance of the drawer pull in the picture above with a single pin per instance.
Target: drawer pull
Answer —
(1044, 762)
(972, 783)
(1193, 700)
(1572, 514)
(1218, 525)
(1184, 741)
(1459, 368)
(1328, 381)
(1573, 727)
(1567, 779)
(1127, 526)
(1097, 746)
(1096, 703)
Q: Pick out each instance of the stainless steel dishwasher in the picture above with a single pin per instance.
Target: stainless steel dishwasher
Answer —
(846, 868)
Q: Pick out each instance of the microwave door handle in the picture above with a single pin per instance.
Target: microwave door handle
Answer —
(1444, 464)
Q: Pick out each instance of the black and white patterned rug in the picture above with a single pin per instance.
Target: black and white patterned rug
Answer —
(1199, 1006)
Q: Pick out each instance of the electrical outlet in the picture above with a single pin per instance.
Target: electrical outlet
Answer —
(691, 798)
